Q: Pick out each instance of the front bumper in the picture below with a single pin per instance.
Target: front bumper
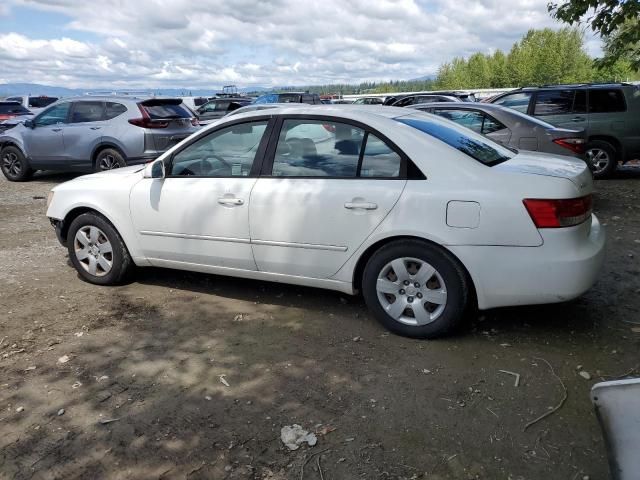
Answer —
(59, 227)
(564, 267)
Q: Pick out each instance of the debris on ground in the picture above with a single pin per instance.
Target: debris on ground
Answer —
(61, 412)
(294, 435)
(106, 421)
(63, 359)
(224, 380)
(357, 339)
(324, 429)
(560, 403)
(516, 375)
(584, 374)
(239, 317)
(20, 409)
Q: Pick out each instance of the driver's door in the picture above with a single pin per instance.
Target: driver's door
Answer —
(44, 143)
(199, 213)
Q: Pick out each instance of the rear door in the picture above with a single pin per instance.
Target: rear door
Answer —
(563, 108)
(44, 144)
(325, 187)
(83, 133)
(608, 115)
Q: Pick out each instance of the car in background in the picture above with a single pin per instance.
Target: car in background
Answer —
(369, 101)
(263, 106)
(609, 114)
(510, 127)
(196, 102)
(12, 113)
(92, 133)
(405, 100)
(35, 103)
(427, 219)
(290, 97)
(219, 107)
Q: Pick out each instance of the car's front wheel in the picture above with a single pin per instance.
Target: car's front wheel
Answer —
(14, 165)
(416, 289)
(97, 251)
(108, 159)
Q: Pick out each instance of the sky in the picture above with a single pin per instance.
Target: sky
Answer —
(209, 43)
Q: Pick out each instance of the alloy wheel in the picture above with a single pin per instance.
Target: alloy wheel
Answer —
(93, 250)
(411, 291)
(11, 164)
(598, 158)
(108, 162)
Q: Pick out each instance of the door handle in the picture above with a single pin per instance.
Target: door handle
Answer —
(94, 128)
(361, 205)
(56, 129)
(230, 201)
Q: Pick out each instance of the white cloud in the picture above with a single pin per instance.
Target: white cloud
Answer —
(150, 43)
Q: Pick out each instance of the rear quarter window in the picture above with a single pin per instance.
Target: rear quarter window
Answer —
(606, 101)
(114, 109)
(166, 110)
(473, 145)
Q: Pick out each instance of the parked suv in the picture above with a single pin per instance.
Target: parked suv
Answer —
(290, 97)
(219, 107)
(93, 134)
(609, 114)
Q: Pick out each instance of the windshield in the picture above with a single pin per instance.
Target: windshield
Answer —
(268, 98)
(474, 145)
(13, 108)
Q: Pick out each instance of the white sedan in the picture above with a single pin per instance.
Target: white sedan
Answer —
(424, 217)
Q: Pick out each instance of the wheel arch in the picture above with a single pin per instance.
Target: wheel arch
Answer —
(358, 271)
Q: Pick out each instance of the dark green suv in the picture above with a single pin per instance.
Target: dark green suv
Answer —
(609, 114)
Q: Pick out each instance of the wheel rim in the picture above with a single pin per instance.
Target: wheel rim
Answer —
(108, 162)
(93, 251)
(599, 159)
(411, 291)
(11, 164)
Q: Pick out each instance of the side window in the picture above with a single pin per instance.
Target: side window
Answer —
(405, 101)
(228, 152)
(56, 114)
(308, 148)
(554, 102)
(379, 160)
(222, 106)
(13, 99)
(517, 101)
(307, 99)
(490, 125)
(84, 112)
(114, 109)
(466, 118)
(605, 101)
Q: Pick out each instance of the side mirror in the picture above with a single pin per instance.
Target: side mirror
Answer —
(29, 123)
(154, 170)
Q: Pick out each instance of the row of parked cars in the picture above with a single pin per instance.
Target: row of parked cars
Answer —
(597, 122)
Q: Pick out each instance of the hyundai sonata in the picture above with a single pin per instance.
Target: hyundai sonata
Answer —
(426, 218)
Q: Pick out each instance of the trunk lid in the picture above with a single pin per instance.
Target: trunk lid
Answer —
(545, 164)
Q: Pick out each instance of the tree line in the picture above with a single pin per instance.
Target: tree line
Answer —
(541, 57)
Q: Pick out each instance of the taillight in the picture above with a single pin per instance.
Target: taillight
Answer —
(576, 145)
(147, 122)
(558, 213)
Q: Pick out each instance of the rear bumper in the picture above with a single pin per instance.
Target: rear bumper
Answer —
(563, 268)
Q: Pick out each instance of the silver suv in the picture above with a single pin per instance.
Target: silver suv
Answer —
(94, 133)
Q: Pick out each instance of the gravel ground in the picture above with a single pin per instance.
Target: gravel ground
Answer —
(128, 382)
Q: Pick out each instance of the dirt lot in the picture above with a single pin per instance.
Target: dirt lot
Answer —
(150, 356)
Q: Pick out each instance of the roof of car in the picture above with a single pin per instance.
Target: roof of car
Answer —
(476, 105)
(333, 109)
(134, 98)
(575, 85)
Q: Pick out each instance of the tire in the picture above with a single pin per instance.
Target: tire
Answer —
(14, 165)
(602, 157)
(434, 319)
(108, 159)
(88, 240)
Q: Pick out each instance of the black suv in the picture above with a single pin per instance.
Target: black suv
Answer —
(609, 114)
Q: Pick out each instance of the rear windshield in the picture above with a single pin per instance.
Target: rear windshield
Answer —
(462, 139)
(289, 98)
(14, 108)
(41, 102)
(158, 110)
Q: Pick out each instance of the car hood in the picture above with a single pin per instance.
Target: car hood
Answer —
(539, 163)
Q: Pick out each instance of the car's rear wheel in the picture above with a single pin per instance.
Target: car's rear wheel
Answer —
(603, 158)
(416, 289)
(97, 251)
(14, 165)
(108, 159)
